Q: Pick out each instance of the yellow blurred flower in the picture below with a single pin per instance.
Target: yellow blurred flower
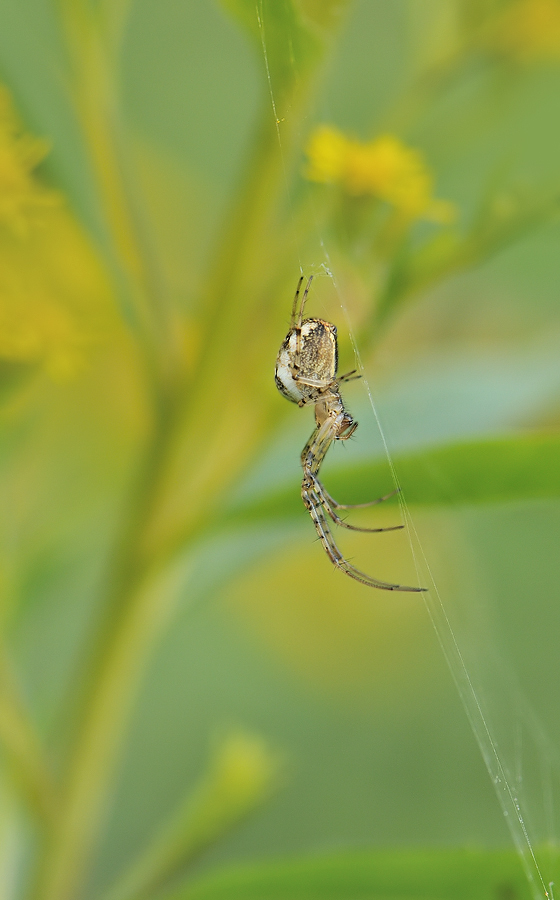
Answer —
(54, 295)
(21, 196)
(384, 168)
(529, 30)
(243, 771)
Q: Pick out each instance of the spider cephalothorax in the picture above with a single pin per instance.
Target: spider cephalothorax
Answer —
(306, 372)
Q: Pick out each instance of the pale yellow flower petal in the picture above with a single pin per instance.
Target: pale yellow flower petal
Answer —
(327, 151)
(384, 168)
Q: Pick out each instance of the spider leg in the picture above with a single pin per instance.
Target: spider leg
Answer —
(297, 318)
(323, 385)
(295, 303)
(332, 502)
(349, 376)
(341, 436)
(304, 299)
(315, 508)
(317, 446)
(326, 499)
(312, 457)
(312, 382)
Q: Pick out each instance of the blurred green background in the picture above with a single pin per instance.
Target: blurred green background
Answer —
(149, 470)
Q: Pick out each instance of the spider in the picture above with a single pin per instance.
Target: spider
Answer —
(306, 373)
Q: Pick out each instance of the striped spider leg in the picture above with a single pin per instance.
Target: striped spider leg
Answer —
(306, 372)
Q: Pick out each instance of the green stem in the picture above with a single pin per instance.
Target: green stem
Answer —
(93, 62)
(223, 404)
(137, 605)
(136, 610)
(22, 747)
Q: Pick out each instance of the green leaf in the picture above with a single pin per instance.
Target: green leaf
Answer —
(442, 873)
(486, 471)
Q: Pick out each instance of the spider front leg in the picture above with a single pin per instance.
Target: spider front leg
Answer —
(320, 387)
(349, 376)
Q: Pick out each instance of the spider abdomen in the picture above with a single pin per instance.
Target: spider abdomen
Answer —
(307, 360)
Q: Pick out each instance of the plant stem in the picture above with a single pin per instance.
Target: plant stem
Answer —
(134, 614)
(136, 608)
(134, 262)
(22, 746)
(137, 603)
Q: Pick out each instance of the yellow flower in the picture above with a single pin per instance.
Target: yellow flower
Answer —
(529, 30)
(384, 168)
(21, 196)
(55, 299)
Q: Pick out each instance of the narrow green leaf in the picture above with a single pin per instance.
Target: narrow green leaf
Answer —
(21, 745)
(442, 873)
(492, 471)
(486, 471)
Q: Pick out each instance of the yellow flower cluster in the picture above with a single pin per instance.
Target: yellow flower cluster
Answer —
(384, 168)
(53, 292)
(528, 31)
